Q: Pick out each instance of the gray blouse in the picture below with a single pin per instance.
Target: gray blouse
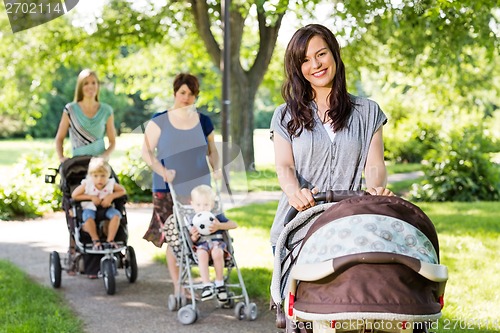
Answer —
(326, 164)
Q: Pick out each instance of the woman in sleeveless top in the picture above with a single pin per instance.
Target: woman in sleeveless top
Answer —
(324, 138)
(176, 145)
(87, 120)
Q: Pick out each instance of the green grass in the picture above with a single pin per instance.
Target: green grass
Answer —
(402, 187)
(403, 167)
(27, 307)
(470, 243)
(12, 150)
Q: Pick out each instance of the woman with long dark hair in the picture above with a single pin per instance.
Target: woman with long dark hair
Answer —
(324, 138)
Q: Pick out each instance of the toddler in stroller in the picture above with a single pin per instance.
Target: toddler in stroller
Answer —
(109, 223)
(205, 240)
(99, 190)
(206, 234)
(364, 264)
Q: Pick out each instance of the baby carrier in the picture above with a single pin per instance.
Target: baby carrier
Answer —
(364, 264)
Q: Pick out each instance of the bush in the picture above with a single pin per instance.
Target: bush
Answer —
(459, 169)
(136, 178)
(410, 140)
(25, 193)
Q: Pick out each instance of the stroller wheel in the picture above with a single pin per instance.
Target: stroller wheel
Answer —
(229, 304)
(172, 303)
(130, 264)
(80, 264)
(108, 276)
(55, 269)
(187, 315)
(280, 317)
(251, 311)
(239, 311)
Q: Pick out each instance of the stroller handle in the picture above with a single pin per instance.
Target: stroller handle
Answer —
(327, 196)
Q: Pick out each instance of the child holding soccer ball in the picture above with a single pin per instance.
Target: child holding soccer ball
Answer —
(211, 245)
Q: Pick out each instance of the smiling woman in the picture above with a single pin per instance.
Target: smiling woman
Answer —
(324, 138)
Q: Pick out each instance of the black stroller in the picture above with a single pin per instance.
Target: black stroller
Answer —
(83, 259)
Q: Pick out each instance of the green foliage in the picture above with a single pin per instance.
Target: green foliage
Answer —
(28, 307)
(459, 168)
(136, 177)
(25, 193)
(409, 140)
(129, 110)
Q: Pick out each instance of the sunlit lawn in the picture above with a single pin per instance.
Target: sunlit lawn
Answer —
(27, 307)
(12, 150)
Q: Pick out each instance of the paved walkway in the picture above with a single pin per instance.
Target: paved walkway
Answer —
(137, 307)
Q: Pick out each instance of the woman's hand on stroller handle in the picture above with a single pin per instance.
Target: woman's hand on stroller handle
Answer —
(327, 196)
(379, 191)
(168, 175)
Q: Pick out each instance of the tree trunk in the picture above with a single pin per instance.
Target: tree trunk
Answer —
(243, 84)
(242, 93)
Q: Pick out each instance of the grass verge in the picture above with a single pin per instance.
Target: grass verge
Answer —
(27, 307)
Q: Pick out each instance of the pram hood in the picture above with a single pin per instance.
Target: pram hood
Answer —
(72, 172)
(367, 256)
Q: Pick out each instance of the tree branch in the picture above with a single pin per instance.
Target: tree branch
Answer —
(268, 36)
(199, 9)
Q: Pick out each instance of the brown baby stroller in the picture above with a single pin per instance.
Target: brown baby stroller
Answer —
(364, 264)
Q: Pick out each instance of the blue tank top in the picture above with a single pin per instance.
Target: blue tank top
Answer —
(184, 151)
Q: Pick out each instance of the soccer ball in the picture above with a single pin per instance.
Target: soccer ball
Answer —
(202, 221)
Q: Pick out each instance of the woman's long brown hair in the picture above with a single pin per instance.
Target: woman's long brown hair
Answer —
(297, 91)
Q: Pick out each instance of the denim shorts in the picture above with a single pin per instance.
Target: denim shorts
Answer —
(209, 245)
(110, 212)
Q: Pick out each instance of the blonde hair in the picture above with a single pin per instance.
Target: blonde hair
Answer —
(84, 74)
(98, 165)
(203, 191)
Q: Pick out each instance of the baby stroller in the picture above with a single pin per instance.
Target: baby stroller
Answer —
(364, 264)
(83, 258)
(177, 235)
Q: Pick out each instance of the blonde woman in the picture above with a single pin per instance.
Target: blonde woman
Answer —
(87, 120)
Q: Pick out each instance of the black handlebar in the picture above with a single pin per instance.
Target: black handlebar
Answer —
(328, 196)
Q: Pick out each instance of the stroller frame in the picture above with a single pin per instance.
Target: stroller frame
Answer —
(111, 258)
(188, 312)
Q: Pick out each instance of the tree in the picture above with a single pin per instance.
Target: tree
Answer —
(419, 33)
(244, 81)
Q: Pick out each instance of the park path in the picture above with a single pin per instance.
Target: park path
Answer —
(137, 307)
